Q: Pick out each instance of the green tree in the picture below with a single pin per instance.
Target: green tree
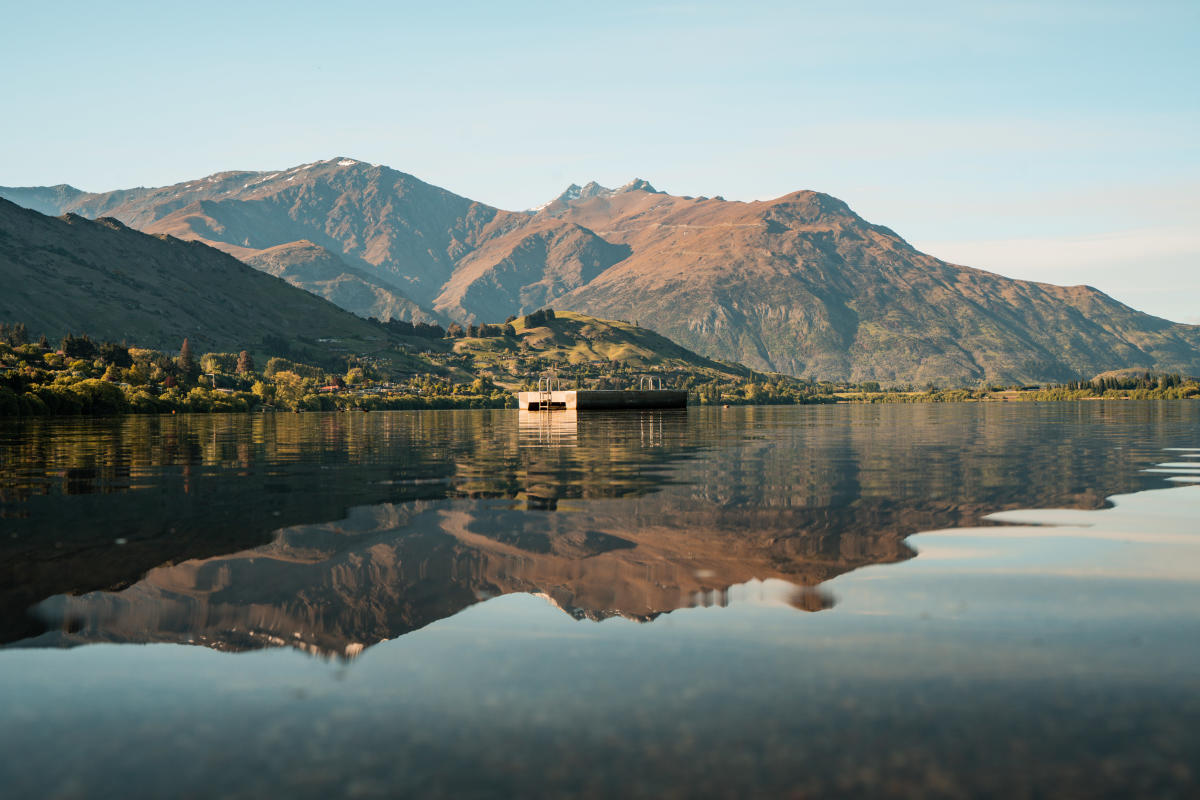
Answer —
(265, 391)
(290, 388)
(224, 363)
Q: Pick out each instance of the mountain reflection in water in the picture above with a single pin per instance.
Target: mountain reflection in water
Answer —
(388, 569)
(330, 533)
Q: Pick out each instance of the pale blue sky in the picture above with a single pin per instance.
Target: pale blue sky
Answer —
(1054, 141)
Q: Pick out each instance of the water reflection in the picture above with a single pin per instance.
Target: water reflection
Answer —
(333, 532)
(548, 428)
(389, 569)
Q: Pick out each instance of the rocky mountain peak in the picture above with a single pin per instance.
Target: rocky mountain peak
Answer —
(637, 185)
(591, 189)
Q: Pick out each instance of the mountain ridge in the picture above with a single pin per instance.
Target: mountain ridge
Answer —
(836, 296)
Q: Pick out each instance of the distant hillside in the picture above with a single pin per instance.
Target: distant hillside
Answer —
(570, 341)
(799, 284)
(52, 200)
(311, 267)
(99, 277)
(576, 338)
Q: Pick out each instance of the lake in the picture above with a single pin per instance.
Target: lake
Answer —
(852, 600)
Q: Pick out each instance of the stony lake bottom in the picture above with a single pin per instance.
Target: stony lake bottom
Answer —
(972, 600)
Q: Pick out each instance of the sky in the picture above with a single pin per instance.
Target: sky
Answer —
(1049, 141)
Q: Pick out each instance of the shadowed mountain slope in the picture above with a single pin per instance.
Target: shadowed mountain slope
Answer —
(52, 200)
(99, 277)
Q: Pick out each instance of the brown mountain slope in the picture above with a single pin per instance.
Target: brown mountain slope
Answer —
(73, 274)
(524, 269)
(372, 217)
(803, 285)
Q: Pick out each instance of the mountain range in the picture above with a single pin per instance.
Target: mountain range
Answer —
(799, 284)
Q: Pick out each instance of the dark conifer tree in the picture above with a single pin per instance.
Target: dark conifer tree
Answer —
(186, 363)
(245, 364)
(78, 346)
(116, 354)
(15, 334)
(429, 331)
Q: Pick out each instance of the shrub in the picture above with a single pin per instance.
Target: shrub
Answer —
(10, 403)
(100, 397)
(277, 365)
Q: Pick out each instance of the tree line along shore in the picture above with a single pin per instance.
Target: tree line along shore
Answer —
(79, 376)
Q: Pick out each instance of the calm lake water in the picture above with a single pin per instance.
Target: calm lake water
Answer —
(924, 601)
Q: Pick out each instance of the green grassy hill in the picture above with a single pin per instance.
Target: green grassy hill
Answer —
(583, 348)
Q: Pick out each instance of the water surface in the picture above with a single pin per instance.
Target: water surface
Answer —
(711, 602)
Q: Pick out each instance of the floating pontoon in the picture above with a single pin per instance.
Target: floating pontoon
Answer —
(649, 394)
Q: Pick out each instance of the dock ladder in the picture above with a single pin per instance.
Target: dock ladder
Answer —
(546, 387)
